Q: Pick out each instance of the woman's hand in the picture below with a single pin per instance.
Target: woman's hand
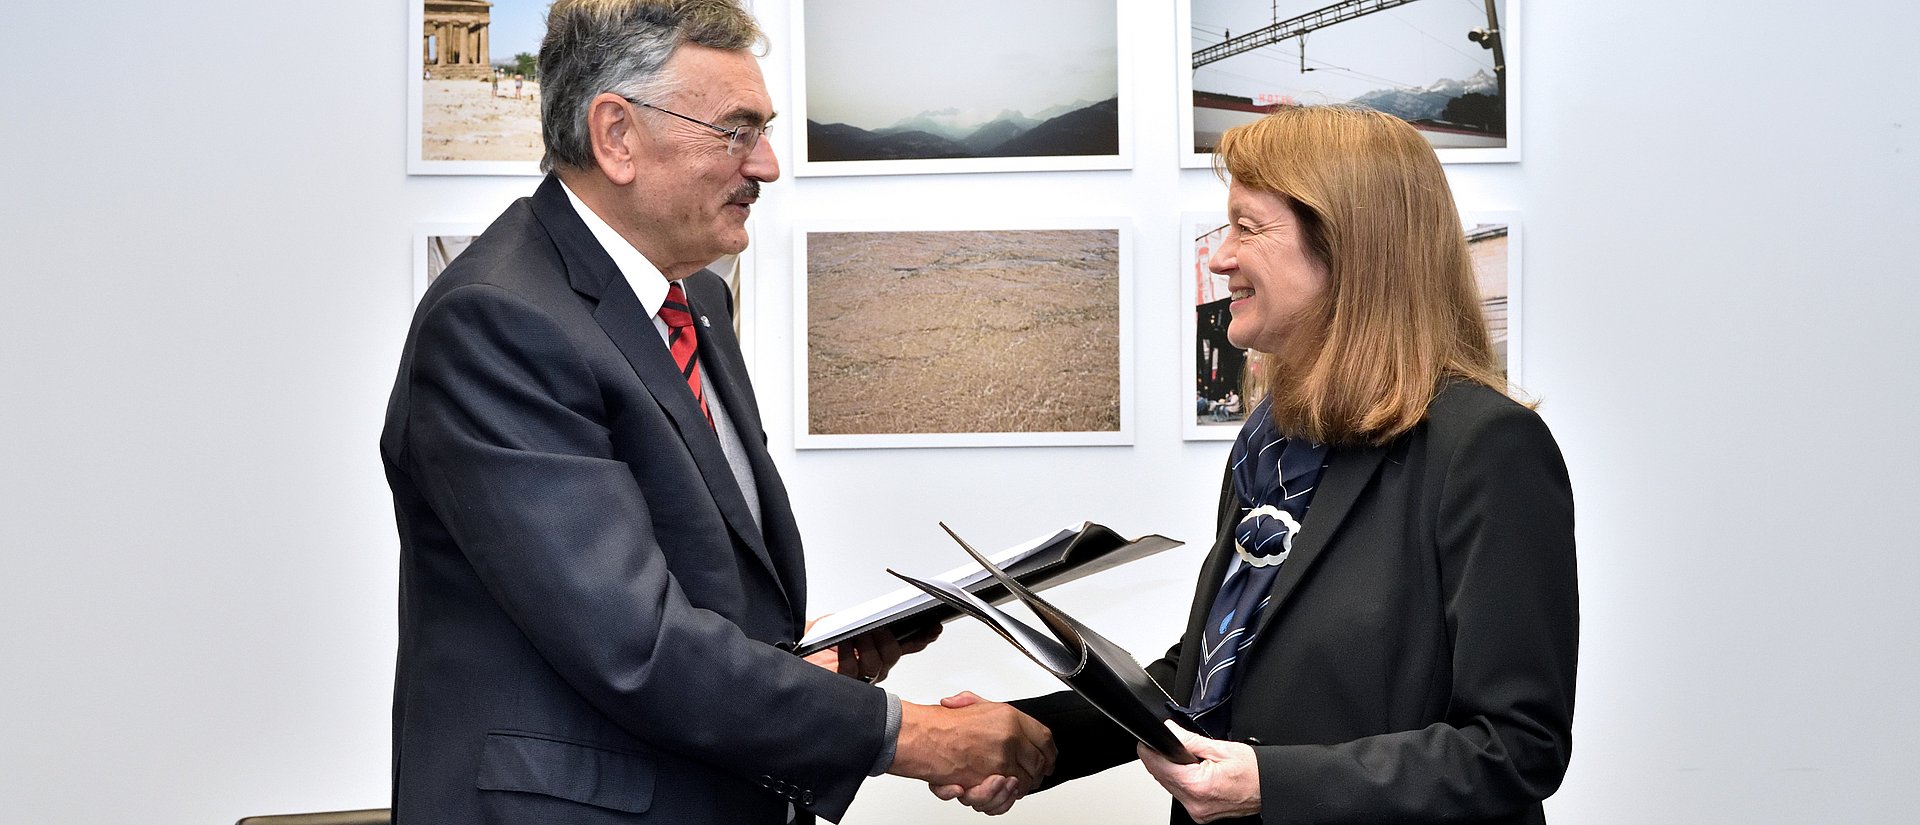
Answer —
(1224, 783)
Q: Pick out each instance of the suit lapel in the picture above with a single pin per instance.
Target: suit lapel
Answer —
(727, 373)
(719, 352)
(619, 313)
(1346, 477)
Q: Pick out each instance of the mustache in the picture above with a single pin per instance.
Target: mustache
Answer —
(747, 193)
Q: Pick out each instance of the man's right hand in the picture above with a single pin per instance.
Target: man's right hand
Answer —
(964, 745)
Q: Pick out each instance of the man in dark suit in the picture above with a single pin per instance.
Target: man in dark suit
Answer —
(601, 577)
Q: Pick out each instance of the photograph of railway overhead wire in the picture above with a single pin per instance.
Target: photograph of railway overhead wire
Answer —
(1446, 66)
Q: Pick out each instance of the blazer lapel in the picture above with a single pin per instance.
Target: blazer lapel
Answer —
(593, 274)
(727, 373)
(719, 353)
(1346, 477)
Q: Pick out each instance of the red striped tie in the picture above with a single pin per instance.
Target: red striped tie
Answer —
(684, 343)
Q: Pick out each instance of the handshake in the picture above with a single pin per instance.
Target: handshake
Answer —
(989, 754)
(985, 754)
(990, 767)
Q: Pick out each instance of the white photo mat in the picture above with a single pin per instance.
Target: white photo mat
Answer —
(1121, 344)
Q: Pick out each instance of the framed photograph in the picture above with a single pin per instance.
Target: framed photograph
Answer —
(1218, 368)
(738, 271)
(915, 86)
(1493, 238)
(435, 245)
(473, 93)
(1446, 66)
(1224, 376)
(991, 335)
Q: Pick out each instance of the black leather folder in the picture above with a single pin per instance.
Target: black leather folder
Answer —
(1099, 670)
(1058, 559)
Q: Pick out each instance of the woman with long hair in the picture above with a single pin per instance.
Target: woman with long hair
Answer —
(1386, 627)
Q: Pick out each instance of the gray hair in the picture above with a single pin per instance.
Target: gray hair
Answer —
(621, 46)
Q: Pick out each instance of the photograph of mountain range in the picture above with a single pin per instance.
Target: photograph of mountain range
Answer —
(1089, 129)
(1442, 65)
(1003, 83)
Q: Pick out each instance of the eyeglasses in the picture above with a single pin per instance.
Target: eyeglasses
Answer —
(741, 140)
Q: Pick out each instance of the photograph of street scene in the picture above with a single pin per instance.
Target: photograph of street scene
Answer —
(1225, 377)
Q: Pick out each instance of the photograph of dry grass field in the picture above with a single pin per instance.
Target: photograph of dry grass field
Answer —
(932, 332)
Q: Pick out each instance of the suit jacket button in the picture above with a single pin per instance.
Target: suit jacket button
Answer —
(806, 797)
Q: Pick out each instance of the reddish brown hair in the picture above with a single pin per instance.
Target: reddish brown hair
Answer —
(1401, 312)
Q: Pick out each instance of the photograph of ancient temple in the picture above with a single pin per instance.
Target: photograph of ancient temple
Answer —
(962, 338)
(909, 86)
(475, 102)
(1446, 66)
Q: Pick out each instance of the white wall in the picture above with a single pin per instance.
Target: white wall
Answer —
(204, 284)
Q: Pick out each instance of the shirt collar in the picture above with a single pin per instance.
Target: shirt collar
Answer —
(649, 285)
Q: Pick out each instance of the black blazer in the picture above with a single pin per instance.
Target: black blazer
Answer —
(592, 630)
(1416, 664)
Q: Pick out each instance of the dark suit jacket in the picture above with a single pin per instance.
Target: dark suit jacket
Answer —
(592, 630)
(1416, 663)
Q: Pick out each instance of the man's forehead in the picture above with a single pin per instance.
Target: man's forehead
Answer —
(739, 108)
(728, 81)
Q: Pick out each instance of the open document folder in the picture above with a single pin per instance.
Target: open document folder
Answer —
(1052, 559)
(1099, 670)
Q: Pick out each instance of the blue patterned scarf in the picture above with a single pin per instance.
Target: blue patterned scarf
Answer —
(1274, 477)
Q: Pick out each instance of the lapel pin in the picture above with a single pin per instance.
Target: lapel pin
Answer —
(704, 323)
